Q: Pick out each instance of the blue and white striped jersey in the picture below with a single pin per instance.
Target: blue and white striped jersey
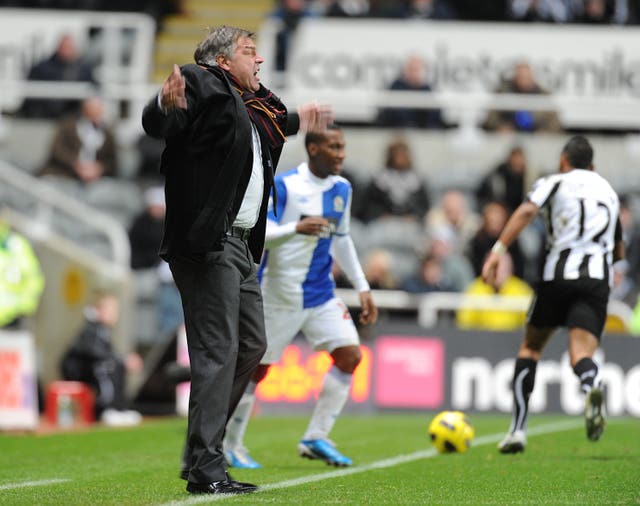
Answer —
(296, 268)
(581, 211)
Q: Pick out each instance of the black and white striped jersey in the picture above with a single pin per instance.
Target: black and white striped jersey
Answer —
(581, 214)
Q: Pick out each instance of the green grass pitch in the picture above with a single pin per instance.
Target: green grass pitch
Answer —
(394, 464)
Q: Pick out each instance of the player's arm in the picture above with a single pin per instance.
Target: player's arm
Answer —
(278, 234)
(520, 218)
(345, 253)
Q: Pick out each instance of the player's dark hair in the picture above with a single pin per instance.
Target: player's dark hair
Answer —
(317, 137)
(579, 152)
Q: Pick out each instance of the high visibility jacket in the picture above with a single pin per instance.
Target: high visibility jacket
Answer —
(21, 279)
(489, 319)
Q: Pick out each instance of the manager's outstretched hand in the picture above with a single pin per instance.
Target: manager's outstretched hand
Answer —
(173, 91)
(315, 117)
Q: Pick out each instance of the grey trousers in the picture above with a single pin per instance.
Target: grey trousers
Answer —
(226, 339)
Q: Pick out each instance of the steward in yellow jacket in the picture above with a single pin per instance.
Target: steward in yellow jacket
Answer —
(21, 279)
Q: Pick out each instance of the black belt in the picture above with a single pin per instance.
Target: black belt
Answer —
(242, 233)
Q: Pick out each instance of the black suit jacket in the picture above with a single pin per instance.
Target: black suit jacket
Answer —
(207, 163)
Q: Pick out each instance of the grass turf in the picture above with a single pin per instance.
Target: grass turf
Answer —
(139, 466)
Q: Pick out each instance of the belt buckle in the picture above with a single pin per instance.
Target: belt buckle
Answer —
(239, 232)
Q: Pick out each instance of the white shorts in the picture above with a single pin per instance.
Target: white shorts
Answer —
(325, 327)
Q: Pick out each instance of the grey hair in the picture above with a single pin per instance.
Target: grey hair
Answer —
(220, 41)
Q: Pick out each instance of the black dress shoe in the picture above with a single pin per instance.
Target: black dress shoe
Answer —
(221, 487)
(184, 475)
(249, 487)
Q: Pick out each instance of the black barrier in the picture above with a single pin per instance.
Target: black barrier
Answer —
(407, 367)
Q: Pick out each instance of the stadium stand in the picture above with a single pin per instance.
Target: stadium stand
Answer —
(86, 225)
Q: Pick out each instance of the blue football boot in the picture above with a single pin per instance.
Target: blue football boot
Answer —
(240, 458)
(323, 449)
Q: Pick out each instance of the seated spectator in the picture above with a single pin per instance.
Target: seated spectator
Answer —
(64, 65)
(429, 278)
(600, 12)
(146, 231)
(377, 270)
(22, 281)
(397, 190)
(508, 285)
(91, 359)
(522, 82)
(83, 147)
(456, 268)
(413, 78)
(430, 9)
(494, 218)
(347, 8)
(552, 11)
(454, 214)
(505, 183)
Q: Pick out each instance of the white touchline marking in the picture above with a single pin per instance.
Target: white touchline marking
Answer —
(379, 464)
(39, 483)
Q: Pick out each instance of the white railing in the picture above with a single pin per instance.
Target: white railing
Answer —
(469, 109)
(44, 203)
(429, 306)
(124, 52)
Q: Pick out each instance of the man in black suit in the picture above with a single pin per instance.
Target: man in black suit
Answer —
(224, 133)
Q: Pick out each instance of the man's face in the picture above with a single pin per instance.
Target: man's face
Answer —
(517, 162)
(245, 64)
(327, 156)
(523, 78)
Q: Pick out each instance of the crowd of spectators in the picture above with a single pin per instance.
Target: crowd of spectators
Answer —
(414, 74)
(444, 238)
(451, 232)
(549, 11)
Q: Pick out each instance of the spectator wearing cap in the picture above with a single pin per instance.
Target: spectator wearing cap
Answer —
(145, 233)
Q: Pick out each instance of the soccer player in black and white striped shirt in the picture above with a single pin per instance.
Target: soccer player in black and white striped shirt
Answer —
(584, 238)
